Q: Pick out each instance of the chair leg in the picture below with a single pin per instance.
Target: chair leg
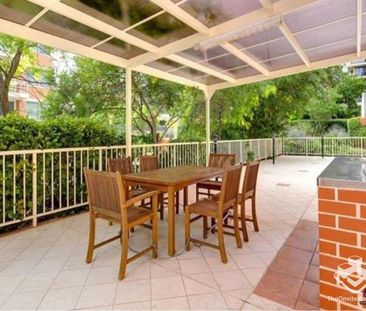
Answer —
(124, 253)
(213, 223)
(243, 222)
(89, 256)
(187, 230)
(205, 231)
(161, 202)
(220, 235)
(254, 215)
(177, 202)
(236, 227)
(155, 232)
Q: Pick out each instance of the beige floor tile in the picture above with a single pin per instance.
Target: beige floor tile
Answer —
(167, 288)
(231, 280)
(133, 291)
(192, 266)
(97, 295)
(216, 264)
(18, 268)
(254, 275)
(24, 301)
(164, 269)
(233, 302)
(171, 304)
(9, 283)
(100, 275)
(35, 282)
(247, 261)
(71, 278)
(207, 302)
(144, 305)
(203, 283)
(61, 299)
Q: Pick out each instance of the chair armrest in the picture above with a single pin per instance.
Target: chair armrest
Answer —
(141, 197)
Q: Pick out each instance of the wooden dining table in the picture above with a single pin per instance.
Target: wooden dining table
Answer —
(171, 180)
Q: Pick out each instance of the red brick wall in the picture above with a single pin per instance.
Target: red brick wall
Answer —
(342, 234)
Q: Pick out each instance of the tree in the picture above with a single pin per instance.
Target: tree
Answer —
(16, 58)
(91, 89)
(153, 97)
(95, 89)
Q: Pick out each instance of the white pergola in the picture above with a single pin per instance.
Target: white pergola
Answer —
(208, 44)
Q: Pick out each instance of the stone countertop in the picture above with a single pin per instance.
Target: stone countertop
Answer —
(347, 172)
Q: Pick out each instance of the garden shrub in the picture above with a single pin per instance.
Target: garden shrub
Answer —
(355, 129)
(19, 133)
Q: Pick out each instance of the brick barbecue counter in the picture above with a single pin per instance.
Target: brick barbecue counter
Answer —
(342, 234)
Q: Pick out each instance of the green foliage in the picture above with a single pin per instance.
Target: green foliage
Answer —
(355, 129)
(250, 156)
(19, 133)
(316, 127)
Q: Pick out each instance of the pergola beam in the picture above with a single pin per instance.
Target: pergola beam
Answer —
(359, 27)
(197, 66)
(267, 4)
(37, 17)
(294, 43)
(90, 21)
(245, 58)
(182, 15)
(17, 30)
(260, 15)
(292, 70)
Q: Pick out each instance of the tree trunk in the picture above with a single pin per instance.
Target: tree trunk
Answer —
(5, 79)
(5, 99)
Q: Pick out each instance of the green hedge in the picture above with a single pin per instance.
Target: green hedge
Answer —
(355, 129)
(19, 133)
(320, 127)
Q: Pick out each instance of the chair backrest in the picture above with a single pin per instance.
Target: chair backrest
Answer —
(122, 165)
(148, 163)
(250, 179)
(230, 185)
(105, 192)
(221, 160)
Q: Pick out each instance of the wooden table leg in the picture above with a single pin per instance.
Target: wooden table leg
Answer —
(171, 222)
(185, 197)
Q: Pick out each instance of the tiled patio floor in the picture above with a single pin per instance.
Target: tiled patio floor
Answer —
(44, 267)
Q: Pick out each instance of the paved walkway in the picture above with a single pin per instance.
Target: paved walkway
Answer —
(44, 267)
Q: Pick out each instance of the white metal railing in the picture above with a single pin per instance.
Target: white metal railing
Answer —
(37, 183)
(325, 146)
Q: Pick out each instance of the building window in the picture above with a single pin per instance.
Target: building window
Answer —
(32, 109)
(360, 71)
(11, 106)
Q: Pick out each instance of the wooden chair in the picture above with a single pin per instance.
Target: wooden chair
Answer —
(151, 162)
(249, 191)
(221, 160)
(215, 160)
(107, 200)
(216, 209)
(124, 166)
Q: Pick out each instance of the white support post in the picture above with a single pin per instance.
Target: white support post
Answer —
(128, 112)
(208, 94)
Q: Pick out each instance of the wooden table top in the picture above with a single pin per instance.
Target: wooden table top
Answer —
(175, 175)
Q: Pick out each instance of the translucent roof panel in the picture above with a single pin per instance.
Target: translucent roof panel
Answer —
(259, 38)
(18, 11)
(244, 72)
(119, 13)
(332, 50)
(283, 62)
(214, 12)
(162, 30)
(321, 12)
(120, 48)
(208, 80)
(195, 55)
(272, 49)
(330, 33)
(225, 62)
(69, 29)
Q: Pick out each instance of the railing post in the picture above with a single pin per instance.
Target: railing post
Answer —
(241, 151)
(273, 148)
(361, 138)
(100, 161)
(322, 145)
(34, 189)
(306, 146)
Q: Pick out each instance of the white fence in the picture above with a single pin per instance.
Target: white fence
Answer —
(324, 146)
(37, 183)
